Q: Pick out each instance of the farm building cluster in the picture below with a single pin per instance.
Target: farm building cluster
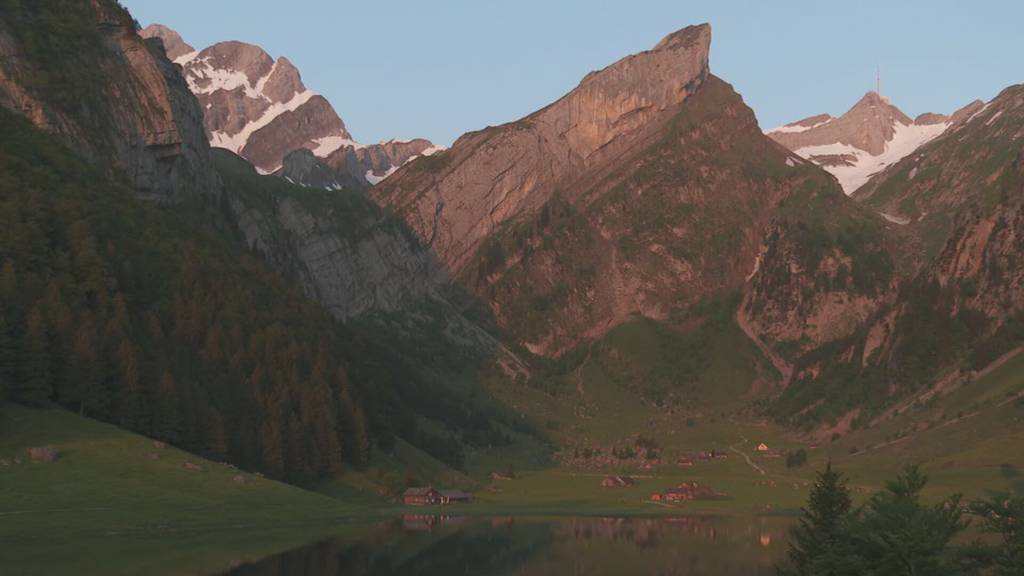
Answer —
(685, 491)
(429, 496)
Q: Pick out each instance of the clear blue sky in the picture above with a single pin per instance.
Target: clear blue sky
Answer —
(409, 68)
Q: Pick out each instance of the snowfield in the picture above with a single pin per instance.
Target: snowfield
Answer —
(905, 140)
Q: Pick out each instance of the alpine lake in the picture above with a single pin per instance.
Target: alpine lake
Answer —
(431, 544)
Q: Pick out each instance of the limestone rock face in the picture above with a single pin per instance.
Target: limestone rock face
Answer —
(350, 256)
(646, 190)
(367, 165)
(174, 45)
(293, 129)
(961, 181)
(301, 166)
(259, 108)
(867, 126)
(954, 228)
(455, 199)
(377, 269)
(139, 115)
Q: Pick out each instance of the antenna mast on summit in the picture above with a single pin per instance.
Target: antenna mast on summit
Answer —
(878, 80)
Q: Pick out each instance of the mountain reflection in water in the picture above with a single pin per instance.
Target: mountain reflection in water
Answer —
(429, 545)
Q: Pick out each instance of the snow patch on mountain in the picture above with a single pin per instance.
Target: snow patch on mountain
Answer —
(237, 142)
(219, 79)
(373, 179)
(184, 59)
(331, 144)
(906, 138)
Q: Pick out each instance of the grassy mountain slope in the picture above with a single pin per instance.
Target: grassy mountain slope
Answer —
(956, 303)
(113, 502)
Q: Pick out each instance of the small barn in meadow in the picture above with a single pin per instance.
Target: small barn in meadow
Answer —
(453, 496)
(423, 496)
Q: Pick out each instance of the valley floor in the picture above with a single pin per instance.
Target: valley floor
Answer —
(112, 496)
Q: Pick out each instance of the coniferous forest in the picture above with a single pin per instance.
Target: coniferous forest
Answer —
(123, 312)
(900, 532)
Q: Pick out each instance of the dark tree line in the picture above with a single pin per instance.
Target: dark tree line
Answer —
(896, 534)
(121, 312)
(159, 321)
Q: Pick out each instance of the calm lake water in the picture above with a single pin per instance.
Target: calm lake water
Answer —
(430, 545)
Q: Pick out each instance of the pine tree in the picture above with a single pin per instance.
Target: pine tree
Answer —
(354, 426)
(36, 387)
(133, 409)
(1002, 515)
(8, 285)
(167, 410)
(297, 462)
(271, 449)
(84, 382)
(216, 440)
(318, 413)
(898, 535)
(819, 543)
(7, 358)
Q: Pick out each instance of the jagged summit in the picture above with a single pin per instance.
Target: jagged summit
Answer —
(686, 38)
(502, 172)
(871, 135)
(259, 108)
(174, 45)
(646, 189)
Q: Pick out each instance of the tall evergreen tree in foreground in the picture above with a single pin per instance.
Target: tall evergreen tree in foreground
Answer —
(894, 534)
(819, 543)
(1002, 515)
(899, 535)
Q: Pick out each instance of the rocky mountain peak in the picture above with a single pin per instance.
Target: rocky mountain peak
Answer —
(174, 45)
(628, 93)
(877, 119)
(504, 172)
(235, 57)
(260, 109)
(871, 135)
(698, 35)
(611, 202)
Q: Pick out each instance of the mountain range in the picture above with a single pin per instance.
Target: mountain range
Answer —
(869, 137)
(642, 231)
(258, 108)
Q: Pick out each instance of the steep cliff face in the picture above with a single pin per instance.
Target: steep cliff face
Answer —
(971, 164)
(824, 272)
(646, 190)
(259, 108)
(361, 264)
(174, 44)
(457, 198)
(962, 199)
(114, 97)
(956, 304)
(343, 250)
